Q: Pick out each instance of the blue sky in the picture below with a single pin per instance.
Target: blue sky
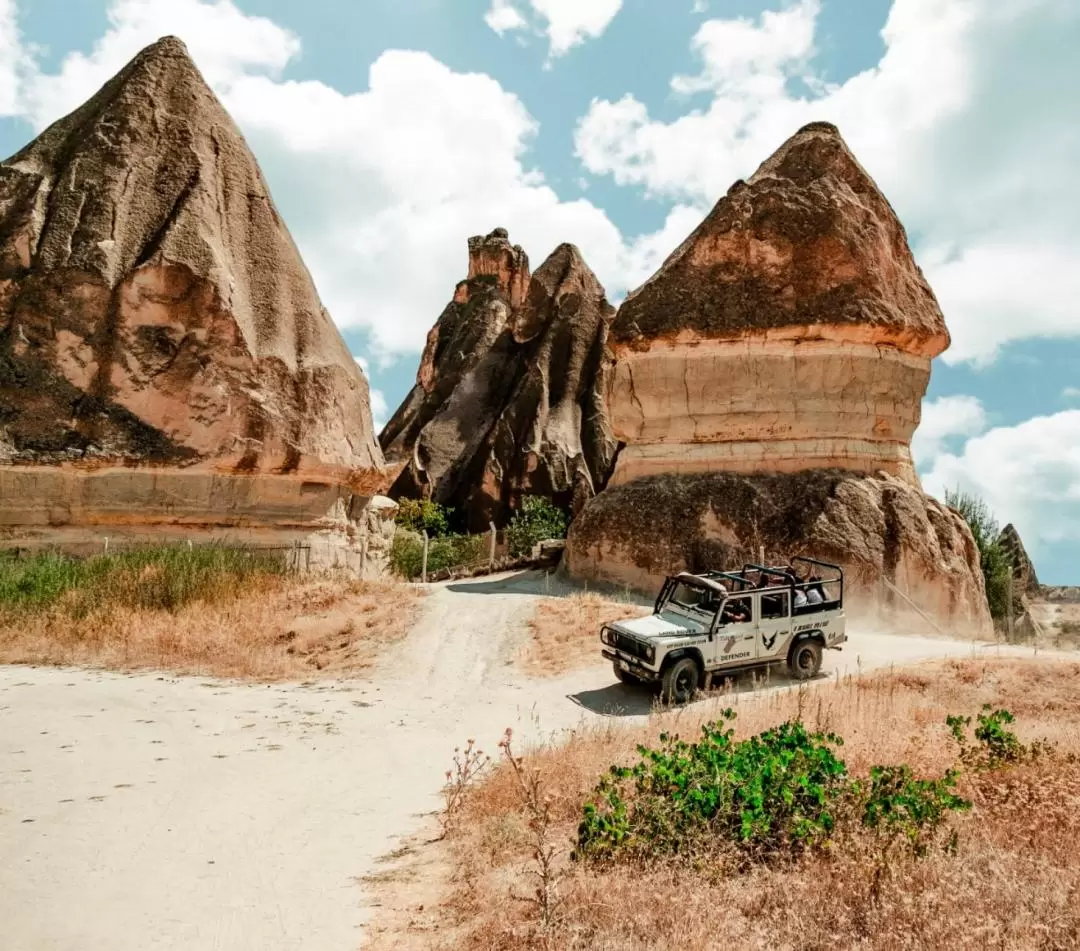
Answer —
(390, 130)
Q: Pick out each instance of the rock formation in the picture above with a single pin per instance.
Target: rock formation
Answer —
(767, 383)
(509, 398)
(164, 356)
(1023, 571)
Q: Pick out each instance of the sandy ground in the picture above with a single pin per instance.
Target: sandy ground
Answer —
(148, 812)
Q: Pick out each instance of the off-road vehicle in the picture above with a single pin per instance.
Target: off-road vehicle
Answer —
(719, 622)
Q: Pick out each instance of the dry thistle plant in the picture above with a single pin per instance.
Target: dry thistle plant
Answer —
(469, 764)
(537, 805)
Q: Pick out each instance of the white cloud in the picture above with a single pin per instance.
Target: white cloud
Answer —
(566, 23)
(503, 17)
(380, 188)
(13, 59)
(966, 123)
(943, 419)
(1071, 393)
(1028, 474)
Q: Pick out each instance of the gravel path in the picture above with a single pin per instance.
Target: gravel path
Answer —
(147, 812)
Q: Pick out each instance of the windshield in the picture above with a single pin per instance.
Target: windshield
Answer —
(694, 598)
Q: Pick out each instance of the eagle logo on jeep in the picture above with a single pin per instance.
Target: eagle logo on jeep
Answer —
(769, 641)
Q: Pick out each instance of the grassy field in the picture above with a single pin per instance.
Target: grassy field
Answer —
(209, 610)
(564, 632)
(1012, 879)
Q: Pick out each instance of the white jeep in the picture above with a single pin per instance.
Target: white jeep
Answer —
(715, 623)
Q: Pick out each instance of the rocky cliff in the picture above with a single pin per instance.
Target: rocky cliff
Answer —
(509, 398)
(1025, 581)
(156, 315)
(767, 382)
(791, 330)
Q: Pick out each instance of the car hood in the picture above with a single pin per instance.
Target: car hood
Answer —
(660, 625)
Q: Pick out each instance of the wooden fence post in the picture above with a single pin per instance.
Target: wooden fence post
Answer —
(491, 548)
(423, 567)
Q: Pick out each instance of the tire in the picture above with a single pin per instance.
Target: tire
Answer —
(681, 681)
(804, 661)
(625, 676)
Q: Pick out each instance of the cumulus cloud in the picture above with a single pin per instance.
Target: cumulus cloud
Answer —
(966, 123)
(1029, 474)
(566, 23)
(380, 188)
(944, 419)
(13, 59)
(1071, 393)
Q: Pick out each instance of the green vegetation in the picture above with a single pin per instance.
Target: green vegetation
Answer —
(448, 551)
(783, 792)
(423, 515)
(154, 578)
(994, 560)
(537, 520)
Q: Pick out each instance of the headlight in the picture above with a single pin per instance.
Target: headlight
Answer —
(605, 636)
(650, 652)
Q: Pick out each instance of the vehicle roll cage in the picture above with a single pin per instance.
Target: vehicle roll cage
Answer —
(738, 582)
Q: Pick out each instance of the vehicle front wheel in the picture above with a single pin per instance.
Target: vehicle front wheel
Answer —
(805, 660)
(625, 676)
(680, 681)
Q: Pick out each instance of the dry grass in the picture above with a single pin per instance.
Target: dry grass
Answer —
(274, 628)
(564, 632)
(1013, 883)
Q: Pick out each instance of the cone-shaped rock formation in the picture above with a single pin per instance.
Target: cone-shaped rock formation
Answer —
(509, 398)
(767, 383)
(154, 311)
(1023, 571)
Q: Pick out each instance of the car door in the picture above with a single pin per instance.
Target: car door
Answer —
(736, 640)
(774, 624)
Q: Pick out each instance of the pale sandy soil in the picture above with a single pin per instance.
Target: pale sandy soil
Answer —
(147, 812)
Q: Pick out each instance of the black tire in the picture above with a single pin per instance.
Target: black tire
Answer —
(624, 675)
(681, 681)
(804, 662)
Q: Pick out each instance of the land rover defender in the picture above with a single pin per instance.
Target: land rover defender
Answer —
(719, 622)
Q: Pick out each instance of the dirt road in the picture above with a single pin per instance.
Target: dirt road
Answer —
(147, 812)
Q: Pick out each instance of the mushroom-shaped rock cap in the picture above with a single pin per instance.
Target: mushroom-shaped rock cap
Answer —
(808, 240)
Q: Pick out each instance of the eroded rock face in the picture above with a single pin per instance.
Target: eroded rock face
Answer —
(792, 330)
(641, 531)
(1023, 571)
(153, 307)
(509, 398)
(165, 362)
(767, 383)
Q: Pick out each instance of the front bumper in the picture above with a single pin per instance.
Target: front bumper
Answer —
(632, 665)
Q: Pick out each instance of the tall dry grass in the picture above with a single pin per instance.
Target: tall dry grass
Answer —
(1013, 883)
(211, 612)
(564, 633)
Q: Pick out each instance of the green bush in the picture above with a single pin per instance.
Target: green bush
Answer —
(993, 559)
(154, 578)
(783, 791)
(420, 515)
(995, 744)
(537, 520)
(449, 551)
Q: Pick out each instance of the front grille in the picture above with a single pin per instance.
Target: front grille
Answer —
(629, 645)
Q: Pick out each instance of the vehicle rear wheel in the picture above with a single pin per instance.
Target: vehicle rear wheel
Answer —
(624, 675)
(680, 681)
(805, 660)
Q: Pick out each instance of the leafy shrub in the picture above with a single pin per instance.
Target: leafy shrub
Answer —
(993, 558)
(783, 791)
(448, 551)
(420, 515)
(773, 792)
(995, 744)
(537, 520)
(154, 578)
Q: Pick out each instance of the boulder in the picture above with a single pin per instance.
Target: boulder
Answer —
(509, 397)
(767, 383)
(164, 355)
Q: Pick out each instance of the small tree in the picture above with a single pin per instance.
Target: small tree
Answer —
(423, 515)
(537, 520)
(994, 560)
